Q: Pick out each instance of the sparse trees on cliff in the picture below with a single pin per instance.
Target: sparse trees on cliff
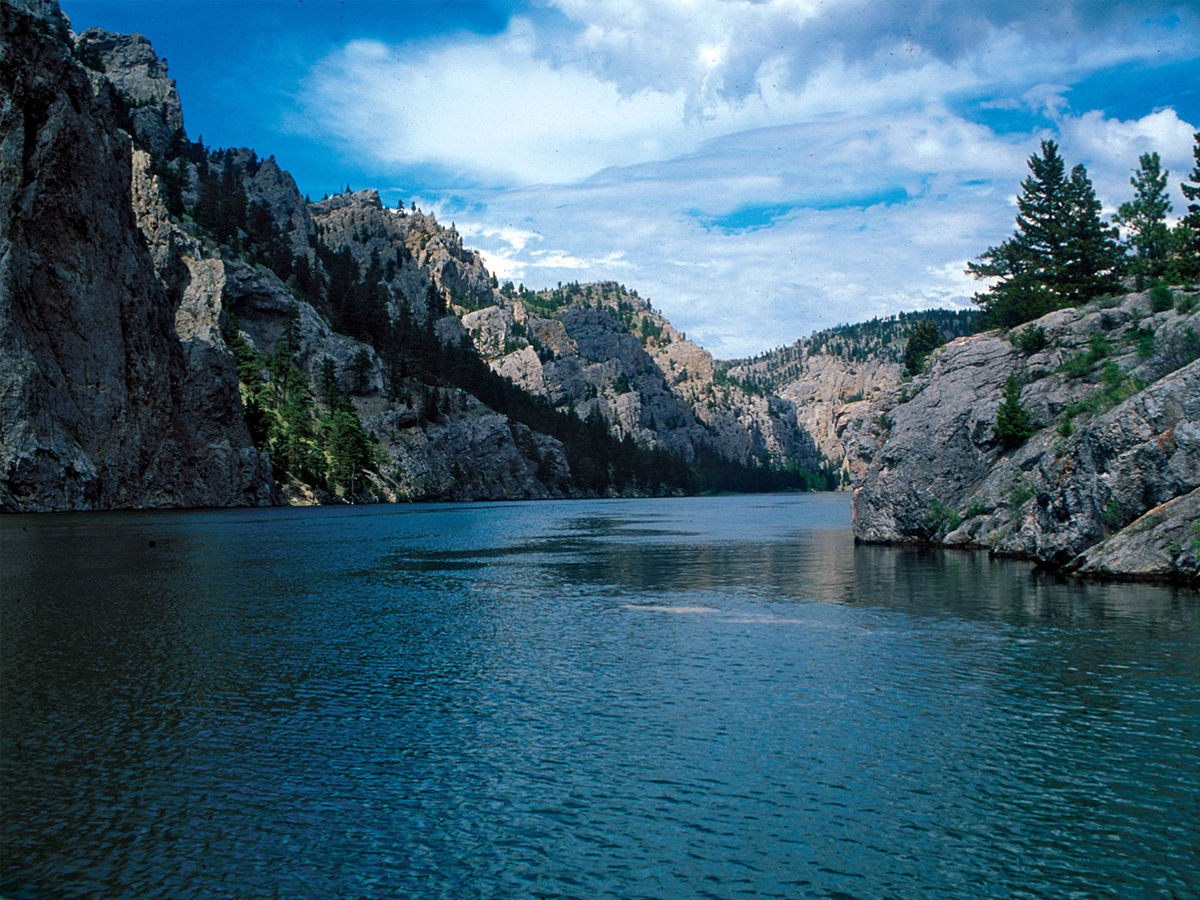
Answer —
(1060, 255)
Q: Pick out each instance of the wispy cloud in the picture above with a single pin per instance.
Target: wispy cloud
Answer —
(759, 168)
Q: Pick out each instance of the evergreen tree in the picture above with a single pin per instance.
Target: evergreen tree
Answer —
(923, 338)
(1060, 255)
(349, 448)
(1185, 238)
(1191, 188)
(1145, 218)
(1013, 422)
(327, 382)
(1092, 259)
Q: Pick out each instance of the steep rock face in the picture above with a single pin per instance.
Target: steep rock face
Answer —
(600, 348)
(822, 394)
(471, 453)
(95, 410)
(147, 96)
(1099, 485)
(827, 375)
(276, 189)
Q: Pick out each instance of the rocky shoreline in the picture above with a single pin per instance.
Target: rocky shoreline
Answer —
(1107, 483)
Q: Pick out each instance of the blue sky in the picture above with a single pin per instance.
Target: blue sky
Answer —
(757, 168)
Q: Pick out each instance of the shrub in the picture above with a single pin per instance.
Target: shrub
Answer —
(941, 519)
(1098, 348)
(1013, 425)
(1160, 297)
(1029, 340)
(1020, 492)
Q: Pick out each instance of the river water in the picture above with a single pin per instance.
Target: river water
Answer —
(703, 697)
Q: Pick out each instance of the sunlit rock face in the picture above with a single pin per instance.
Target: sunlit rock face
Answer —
(1105, 484)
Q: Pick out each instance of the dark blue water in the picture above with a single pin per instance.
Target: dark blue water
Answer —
(653, 698)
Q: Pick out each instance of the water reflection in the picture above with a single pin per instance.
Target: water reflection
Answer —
(619, 698)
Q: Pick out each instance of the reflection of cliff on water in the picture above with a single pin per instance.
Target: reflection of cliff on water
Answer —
(797, 570)
(973, 584)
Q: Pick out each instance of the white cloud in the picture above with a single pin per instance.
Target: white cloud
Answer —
(1111, 148)
(760, 168)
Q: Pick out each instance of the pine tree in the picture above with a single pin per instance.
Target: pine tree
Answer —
(1185, 238)
(1145, 218)
(1091, 260)
(1191, 188)
(1061, 253)
(923, 338)
(1013, 422)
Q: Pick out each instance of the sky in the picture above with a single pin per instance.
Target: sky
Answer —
(758, 169)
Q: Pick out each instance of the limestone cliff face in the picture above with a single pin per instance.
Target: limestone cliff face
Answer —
(1106, 484)
(830, 374)
(118, 384)
(826, 390)
(126, 68)
(98, 405)
(601, 348)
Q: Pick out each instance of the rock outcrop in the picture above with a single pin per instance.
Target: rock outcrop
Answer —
(125, 70)
(830, 374)
(98, 402)
(1104, 484)
(600, 348)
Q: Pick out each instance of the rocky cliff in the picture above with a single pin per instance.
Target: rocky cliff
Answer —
(603, 350)
(1106, 480)
(101, 404)
(180, 327)
(827, 376)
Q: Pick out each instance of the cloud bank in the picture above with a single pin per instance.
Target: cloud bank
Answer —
(759, 169)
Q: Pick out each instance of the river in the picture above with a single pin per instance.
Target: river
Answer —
(700, 697)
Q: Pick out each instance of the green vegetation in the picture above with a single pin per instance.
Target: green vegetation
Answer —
(1161, 298)
(1116, 387)
(1020, 492)
(1013, 425)
(321, 444)
(1060, 255)
(1145, 218)
(1112, 516)
(1029, 340)
(923, 338)
(1142, 337)
(882, 339)
(941, 519)
(1099, 348)
(1185, 237)
(749, 384)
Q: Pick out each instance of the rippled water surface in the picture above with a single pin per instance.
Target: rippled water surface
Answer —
(715, 697)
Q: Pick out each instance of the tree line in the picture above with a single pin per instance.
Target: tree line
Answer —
(1063, 254)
